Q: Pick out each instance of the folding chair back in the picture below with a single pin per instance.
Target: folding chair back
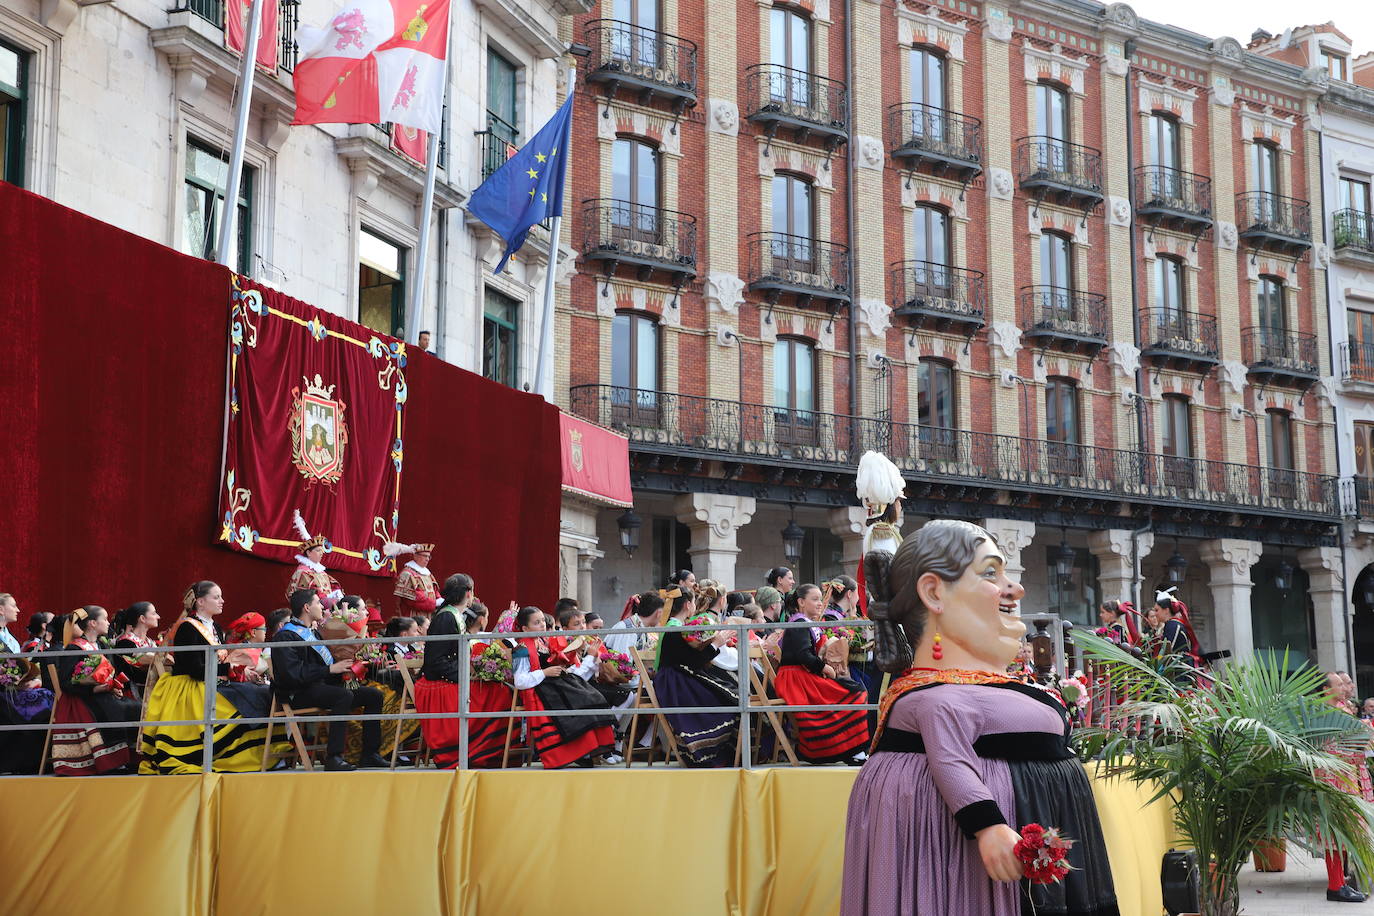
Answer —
(281, 709)
(647, 698)
(511, 725)
(52, 716)
(155, 672)
(760, 690)
(420, 751)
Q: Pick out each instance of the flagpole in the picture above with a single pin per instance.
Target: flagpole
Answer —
(227, 248)
(543, 370)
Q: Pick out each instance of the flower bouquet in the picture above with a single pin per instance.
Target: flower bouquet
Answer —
(93, 670)
(701, 637)
(13, 672)
(615, 668)
(491, 665)
(1044, 854)
(343, 623)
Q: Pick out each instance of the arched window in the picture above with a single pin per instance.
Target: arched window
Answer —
(634, 367)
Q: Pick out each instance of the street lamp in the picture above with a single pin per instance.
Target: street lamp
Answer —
(629, 525)
(1177, 566)
(1283, 576)
(1064, 559)
(792, 537)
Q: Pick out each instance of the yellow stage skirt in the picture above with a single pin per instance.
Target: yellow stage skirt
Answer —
(467, 843)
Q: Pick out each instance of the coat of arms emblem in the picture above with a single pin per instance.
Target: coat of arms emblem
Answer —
(319, 433)
(575, 436)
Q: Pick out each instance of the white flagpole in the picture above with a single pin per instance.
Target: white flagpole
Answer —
(417, 291)
(543, 370)
(228, 251)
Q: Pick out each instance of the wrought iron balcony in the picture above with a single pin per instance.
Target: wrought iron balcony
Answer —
(1068, 172)
(1173, 197)
(809, 269)
(1352, 235)
(1065, 318)
(1357, 497)
(212, 11)
(941, 140)
(499, 141)
(778, 96)
(652, 64)
(937, 296)
(1274, 222)
(683, 425)
(1357, 362)
(1178, 339)
(288, 18)
(1279, 356)
(650, 239)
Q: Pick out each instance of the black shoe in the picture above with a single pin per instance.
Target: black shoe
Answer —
(374, 761)
(1345, 895)
(335, 762)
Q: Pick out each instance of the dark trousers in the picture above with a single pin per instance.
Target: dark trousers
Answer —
(339, 701)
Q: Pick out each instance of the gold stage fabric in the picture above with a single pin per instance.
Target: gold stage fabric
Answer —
(523, 843)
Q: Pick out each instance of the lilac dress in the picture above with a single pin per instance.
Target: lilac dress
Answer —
(945, 767)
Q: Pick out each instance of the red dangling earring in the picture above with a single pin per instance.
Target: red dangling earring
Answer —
(936, 652)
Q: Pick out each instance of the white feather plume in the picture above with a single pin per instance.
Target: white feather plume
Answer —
(299, 522)
(1166, 594)
(395, 549)
(878, 480)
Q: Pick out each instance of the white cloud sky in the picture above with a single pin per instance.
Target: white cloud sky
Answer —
(1238, 18)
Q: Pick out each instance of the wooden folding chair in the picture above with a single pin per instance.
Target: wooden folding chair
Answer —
(759, 695)
(511, 725)
(421, 750)
(281, 709)
(52, 716)
(155, 672)
(647, 698)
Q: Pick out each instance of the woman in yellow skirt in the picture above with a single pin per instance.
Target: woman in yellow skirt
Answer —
(179, 696)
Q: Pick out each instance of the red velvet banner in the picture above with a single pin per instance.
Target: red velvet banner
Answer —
(236, 31)
(316, 405)
(410, 142)
(596, 461)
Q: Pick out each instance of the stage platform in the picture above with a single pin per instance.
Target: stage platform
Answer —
(523, 843)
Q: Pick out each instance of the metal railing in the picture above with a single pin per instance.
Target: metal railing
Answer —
(648, 56)
(289, 19)
(748, 707)
(637, 231)
(1179, 331)
(212, 11)
(499, 142)
(1162, 187)
(1278, 349)
(916, 128)
(931, 287)
(772, 90)
(1357, 361)
(779, 259)
(1263, 213)
(1042, 160)
(1357, 497)
(685, 424)
(1069, 312)
(1352, 229)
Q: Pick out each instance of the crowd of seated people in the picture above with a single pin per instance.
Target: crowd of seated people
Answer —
(540, 665)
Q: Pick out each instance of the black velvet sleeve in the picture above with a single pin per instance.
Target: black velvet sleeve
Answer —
(798, 650)
(974, 817)
(66, 667)
(443, 658)
(292, 669)
(677, 651)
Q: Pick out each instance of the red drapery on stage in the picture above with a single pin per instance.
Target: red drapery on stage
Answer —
(317, 409)
(112, 394)
(596, 461)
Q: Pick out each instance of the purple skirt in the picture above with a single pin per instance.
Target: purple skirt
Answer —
(904, 855)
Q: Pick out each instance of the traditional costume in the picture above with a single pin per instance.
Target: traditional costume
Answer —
(96, 737)
(438, 691)
(309, 575)
(560, 740)
(20, 752)
(180, 696)
(823, 736)
(300, 668)
(134, 667)
(688, 676)
(958, 751)
(240, 660)
(417, 591)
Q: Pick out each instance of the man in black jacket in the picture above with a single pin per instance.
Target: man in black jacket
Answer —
(304, 670)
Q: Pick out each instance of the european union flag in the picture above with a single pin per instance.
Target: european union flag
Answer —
(528, 189)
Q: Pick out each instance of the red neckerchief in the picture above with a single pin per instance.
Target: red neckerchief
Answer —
(918, 678)
(85, 644)
(531, 645)
(142, 642)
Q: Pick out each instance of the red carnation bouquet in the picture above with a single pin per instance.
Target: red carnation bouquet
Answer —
(701, 637)
(616, 667)
(1043, 854)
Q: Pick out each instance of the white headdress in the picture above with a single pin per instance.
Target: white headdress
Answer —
(879, 483)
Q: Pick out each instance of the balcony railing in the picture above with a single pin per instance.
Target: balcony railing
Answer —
(682, 424)
(781, 263)
(212, 11)
(942, 138)
(288, 19)
(651, 237)
(1272, 219)
(499, 142)
(1352, 230)
(1357, 497)
(1065, 315)
(937, 294)
(1179, 336)
(804, 101)
(1047, 164)
(656, 63)
(1279, 354)
(1173, 193)
(1357, 361)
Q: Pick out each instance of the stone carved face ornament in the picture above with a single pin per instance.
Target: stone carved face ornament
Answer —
(726, 116)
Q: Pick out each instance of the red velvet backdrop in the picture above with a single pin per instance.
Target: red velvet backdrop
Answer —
(111, 418)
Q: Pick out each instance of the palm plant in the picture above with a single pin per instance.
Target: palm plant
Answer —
(1249, 756)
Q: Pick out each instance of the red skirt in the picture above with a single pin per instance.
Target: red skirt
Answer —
(556, 751)
(78, 748)
(823, 736)
(486, 737)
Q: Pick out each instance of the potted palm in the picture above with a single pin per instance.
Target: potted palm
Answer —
(1240, 758)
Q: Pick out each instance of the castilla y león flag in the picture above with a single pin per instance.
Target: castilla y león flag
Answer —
(376, 60)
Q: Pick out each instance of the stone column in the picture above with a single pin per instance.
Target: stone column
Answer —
(586, 558)
(1013, 537)
(1323, 568)
(715, 520)
(1229, 561)
(847, 523)
(1118, 570)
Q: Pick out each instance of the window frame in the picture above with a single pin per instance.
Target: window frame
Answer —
(210, 250)
(16, 117)
(1048, 239)
(1046, 92)
(794, 424)
(1349, 189)
(920, 58)
(509, 325)
(1271, 296)
(1268, 176)
(1336, 64)
(1177, 426)
(1171, 290)
(636, 324)
(1063, 401)
(398, 287)
(1160, 124)
(791, 17)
